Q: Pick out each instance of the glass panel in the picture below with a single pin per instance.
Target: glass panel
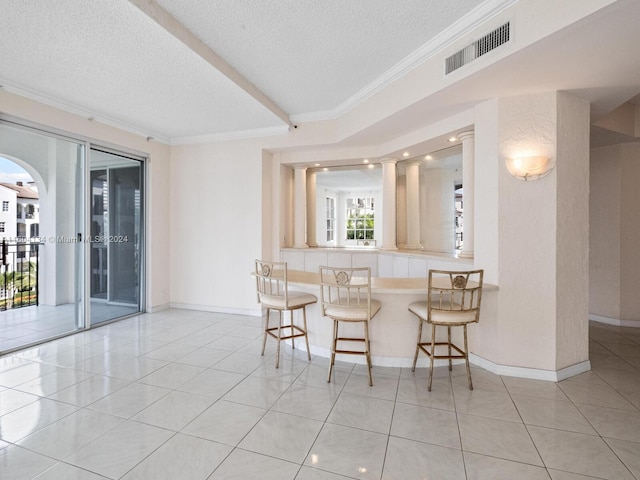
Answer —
(41, 278)
(116, 235)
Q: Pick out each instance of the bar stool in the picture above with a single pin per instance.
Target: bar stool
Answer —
(346, 297)
(273, 293)
(453, 300)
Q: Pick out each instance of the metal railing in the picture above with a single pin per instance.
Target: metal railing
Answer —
(19, 262)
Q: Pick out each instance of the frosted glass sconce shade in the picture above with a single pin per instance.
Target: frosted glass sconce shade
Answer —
(529, 168)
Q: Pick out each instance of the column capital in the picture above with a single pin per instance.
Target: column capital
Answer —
(388, 160)
(466, 135)
(300, 167)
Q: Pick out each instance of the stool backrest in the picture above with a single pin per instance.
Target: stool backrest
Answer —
(348, 288)
(455, 292)
(271, 280)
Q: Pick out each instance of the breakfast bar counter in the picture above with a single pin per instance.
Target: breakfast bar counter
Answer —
(393, 331)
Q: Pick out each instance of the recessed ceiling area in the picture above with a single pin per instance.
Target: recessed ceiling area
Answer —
(368, 177)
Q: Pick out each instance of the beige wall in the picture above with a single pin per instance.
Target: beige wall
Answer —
(572, 260)
(604, 234)
(615, 234)
(524, 230)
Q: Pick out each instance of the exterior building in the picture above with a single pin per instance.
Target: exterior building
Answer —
(8, 215)
(27, 210)
(19, 224)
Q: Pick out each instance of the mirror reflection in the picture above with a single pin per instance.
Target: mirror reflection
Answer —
(428, 199)
(439, 210)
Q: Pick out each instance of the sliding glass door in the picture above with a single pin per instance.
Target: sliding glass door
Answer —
(71, 230)
(42, 269)
(116, 236)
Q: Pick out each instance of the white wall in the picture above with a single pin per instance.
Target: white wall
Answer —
(217, 225)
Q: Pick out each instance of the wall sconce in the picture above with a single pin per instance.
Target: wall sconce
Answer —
(529, 168)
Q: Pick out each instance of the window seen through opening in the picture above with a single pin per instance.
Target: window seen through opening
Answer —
(331, 218)
(360, 221)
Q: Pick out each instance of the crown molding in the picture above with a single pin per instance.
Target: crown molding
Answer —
(94, 117)
(79, 111)
(463, 26)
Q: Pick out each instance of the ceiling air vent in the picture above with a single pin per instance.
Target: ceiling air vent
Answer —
(478, 48)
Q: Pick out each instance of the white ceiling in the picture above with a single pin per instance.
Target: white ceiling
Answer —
(200, 69)
(108, 59)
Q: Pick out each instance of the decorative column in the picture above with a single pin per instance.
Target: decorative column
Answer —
(311, 210)
(299, 206)
(413, 205)
(468, 179)
(389, 204)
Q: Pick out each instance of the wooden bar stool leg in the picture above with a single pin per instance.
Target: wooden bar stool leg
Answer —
(279, 336)
(293, 339)
(368, 351)
(449, 346)
(306, 337)
(333, 348)
(415, 358)
(266, 328)
(433, 353)
(466, 357)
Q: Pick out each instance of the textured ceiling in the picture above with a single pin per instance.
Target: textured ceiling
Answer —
(312, 56)
(109, 60)
(188, 71)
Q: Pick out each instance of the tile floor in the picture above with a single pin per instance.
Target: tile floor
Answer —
(186, 395)
(34, 324)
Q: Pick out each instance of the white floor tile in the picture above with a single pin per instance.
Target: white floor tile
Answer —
(186, 394)
(119, 450)
(182, 456)
(242, 465)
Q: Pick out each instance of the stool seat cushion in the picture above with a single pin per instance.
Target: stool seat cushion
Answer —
(296, 300)
(443, 316)
(354, 313)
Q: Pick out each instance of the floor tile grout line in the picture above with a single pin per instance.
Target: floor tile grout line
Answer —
(395, 403)
(324, 423)
(544, 464)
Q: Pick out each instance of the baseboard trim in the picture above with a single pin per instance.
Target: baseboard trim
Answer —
(615, 321)
(423, 362)
(531, 373)
(212, 308)
(158, 308)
